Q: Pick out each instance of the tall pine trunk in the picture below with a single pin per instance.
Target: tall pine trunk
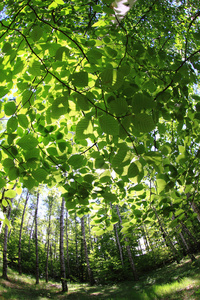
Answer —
(36, 241)
(90, 273)
(20, 236)
(62, 259)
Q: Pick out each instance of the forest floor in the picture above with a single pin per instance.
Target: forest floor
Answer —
(180, 282)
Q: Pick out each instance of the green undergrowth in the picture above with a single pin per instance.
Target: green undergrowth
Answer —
(181, 282)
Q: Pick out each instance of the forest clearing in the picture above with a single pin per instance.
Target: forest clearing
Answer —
(180, 282)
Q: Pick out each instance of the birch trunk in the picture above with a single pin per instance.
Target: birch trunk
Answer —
(119, 245)
(90, 274)
(20, 235)
(67, 243)
(48, 241)
(62, 260)
(5, 246)
(36, 241)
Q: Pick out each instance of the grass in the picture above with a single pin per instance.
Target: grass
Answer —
(180, 282)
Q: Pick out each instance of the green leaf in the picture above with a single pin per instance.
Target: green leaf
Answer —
(83, 128)
(52, 151)
(143, 122)
(80, 79)
(61, 52)
(23, 120)
(109, 197)
(76, 161)
(7, 48)
(40, 175)
(133, 170)
(2, 183)
(109, 125)
(36, 33)
(141, 101)
(10, 194)
(8, 163)
(29, 182)
(119, 107)
(35, 68)
(82, 101)
(13, 173)
(27, 142)
(59, 107)
(12, 124)
(10, 108)
(60, 2)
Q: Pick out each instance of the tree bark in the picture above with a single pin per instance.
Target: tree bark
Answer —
(90, 273)
(62, 260)
(167, 240)
(76, 243)
(5, 246)
(67, 243)
(128, 249)
(48, 241)
(119, 245)
(36, 241)
(20, 235)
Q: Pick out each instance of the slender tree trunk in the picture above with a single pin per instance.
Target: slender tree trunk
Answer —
(36, 241)
(62, 260)
(90, 274)
(184, 242)
(128, 249)
(89, 230)
(20, 235)
(13, 220)
(167, 240)
(5, 245)
(190, 235)
(76, 243)
(119, 245)
(67, 243)
(193, 205)
(48, 242)
(31, 232)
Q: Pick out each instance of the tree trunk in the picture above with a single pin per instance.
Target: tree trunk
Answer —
(167, 240)
(20, 236)
(119, 245)
(90, 274)
(128, 249)
(36, 242)
(184, 242)
(62, 260)
(5, 245)
(76, 243)
(48, 241)
(67, 243)
(13, 220)
(31, 232)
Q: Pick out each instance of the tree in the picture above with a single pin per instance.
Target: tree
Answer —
(62, 259)
(20, 234)
(50, 204)
(37, 275)
(90, 273)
